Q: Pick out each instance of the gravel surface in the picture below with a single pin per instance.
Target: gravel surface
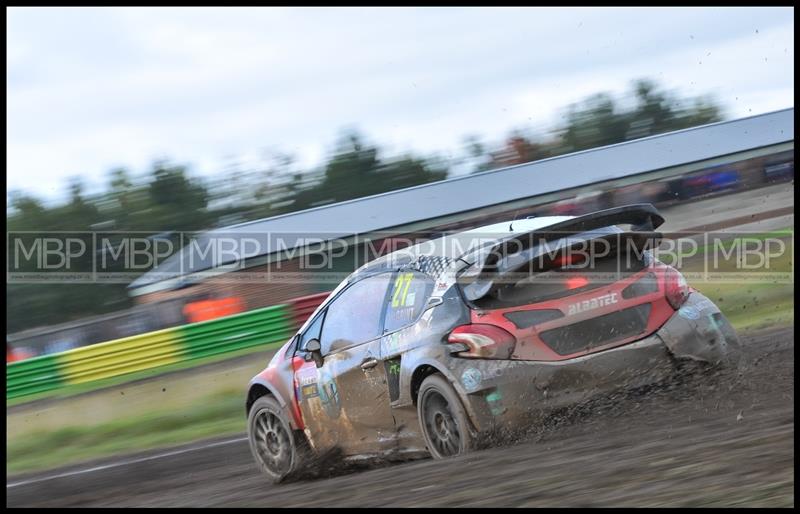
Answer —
(725, 439)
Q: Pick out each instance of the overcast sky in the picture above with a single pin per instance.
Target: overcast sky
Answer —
(89, 89)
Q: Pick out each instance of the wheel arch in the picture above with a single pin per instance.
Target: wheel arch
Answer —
(421, 372)
(259, 388)
(425, 368)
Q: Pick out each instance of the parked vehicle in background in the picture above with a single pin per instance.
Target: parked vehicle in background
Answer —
(779, 171)
(712, 181)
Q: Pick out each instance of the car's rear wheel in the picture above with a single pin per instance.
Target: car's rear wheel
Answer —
(443, 419)
(274, 445)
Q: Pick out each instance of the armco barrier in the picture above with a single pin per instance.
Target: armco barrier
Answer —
(261, 327)
(304, 307)
(34, 375)
(113, 358)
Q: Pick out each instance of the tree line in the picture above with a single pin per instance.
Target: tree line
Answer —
(169, 198)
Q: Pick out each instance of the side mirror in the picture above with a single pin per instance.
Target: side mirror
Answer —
(314, 351)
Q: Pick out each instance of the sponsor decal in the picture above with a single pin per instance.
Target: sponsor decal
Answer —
(328, 393)
(306, 378)
(400, 341)
(494, 403)
(309, 391)
(393, 367)
(471, 378)
(393, 376)
(592, 303)
(392, 342)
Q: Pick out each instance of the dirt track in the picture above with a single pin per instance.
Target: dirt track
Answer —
(724, 441)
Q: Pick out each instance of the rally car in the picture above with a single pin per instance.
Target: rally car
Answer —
(433, 349)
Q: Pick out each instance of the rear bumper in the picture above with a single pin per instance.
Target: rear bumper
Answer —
(503, 394)
(699, 331)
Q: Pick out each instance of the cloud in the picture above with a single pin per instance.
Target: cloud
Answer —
(91, 88)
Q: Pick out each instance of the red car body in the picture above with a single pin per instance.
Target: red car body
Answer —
(488, 341)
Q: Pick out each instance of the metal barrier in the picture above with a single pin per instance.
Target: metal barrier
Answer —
(34, 375)
(113, 358)
(261, 327)
(304, 307)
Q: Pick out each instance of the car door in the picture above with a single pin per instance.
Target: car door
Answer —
(345, 402)
(407, 299)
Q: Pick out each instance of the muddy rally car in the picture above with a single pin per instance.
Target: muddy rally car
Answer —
(434, 348)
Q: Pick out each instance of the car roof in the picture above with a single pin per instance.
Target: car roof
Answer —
(432, 256)
(436, 253)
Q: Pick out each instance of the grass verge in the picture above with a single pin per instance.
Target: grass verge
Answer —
(750, 305)
(220, 414)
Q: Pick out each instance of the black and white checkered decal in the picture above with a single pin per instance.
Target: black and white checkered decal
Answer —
(433, 266)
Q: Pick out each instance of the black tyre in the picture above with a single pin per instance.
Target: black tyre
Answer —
(278, 451)
(443, 419)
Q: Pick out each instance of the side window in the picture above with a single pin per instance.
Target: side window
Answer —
(312, 332)
(355, 316)
(409, 292)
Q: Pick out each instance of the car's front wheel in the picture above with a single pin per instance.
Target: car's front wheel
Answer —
(273, 444)
(443, 419)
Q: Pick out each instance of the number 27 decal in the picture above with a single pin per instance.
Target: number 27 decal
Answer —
(401, 285)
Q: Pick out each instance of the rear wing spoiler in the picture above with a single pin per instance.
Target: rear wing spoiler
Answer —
(643, 218)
